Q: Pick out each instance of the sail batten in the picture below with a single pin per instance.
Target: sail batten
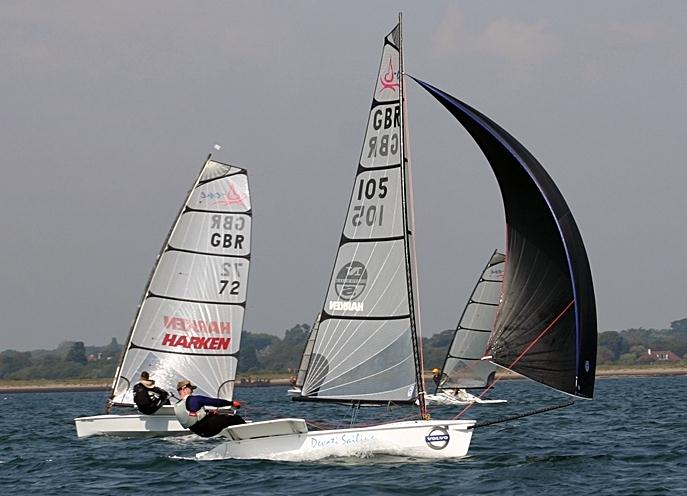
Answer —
(189, 322)
(547, 266)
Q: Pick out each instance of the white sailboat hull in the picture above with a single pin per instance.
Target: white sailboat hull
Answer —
(162, 423)
(290, 440)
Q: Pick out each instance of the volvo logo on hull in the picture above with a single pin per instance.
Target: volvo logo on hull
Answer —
(437, 438)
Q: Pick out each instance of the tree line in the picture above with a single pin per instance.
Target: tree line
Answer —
(263, 353)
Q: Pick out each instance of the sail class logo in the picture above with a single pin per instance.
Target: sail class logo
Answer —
(389, 80)
(496, 272)
(230, 198)
(437, 438)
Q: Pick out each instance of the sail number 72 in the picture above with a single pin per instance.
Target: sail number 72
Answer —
(230, 286)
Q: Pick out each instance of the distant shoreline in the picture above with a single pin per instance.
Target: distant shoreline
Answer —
(75, 385)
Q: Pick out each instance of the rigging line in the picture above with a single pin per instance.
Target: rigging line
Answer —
(521, 415)
(517, 359)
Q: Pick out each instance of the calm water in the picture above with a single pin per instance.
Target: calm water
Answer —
(630, 440)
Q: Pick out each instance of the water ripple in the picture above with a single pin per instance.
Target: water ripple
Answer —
(628, 441)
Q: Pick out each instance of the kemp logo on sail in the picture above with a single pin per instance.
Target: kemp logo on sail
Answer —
(351, 281)
(437, 438)
(349, 284)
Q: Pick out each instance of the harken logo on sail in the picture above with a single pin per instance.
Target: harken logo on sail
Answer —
(389, 80)
(438, 438)
(351, 281)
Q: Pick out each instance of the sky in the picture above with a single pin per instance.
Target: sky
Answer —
(108, 110)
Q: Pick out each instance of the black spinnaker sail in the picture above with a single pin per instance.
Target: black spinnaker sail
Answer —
(546, 324)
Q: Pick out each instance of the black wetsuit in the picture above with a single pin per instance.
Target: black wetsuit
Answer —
(149, 400)
(213, 422)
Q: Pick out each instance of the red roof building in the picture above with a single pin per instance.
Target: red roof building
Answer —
(660, 356)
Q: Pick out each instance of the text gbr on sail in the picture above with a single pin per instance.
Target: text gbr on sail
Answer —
(227, 240)
(384, 143)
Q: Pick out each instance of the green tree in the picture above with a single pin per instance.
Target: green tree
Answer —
(286, 354)
(628, 358)
(248, 359)
(679, 325)
(112, 349)
(253, 346)
(604, 355)
(76, 353)
(614, 342)
(12, 361)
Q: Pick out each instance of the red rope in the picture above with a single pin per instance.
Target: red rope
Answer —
(517, 359)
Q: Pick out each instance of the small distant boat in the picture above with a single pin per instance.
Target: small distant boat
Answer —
(188, 324)
(305, 359)
(365, 350)
(463, 367)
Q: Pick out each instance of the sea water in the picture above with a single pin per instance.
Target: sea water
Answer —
(630, 440)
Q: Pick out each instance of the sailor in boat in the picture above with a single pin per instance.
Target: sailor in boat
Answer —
(191, 411)
(436, 376)
(149, 398)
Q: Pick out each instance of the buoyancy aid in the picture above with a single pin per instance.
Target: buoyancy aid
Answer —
(186, 418)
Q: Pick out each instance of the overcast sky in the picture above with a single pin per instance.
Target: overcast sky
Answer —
(108, 110)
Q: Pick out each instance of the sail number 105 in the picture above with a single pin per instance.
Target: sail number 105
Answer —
(368, 189)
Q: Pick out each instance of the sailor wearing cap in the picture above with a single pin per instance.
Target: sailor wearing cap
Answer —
(192, 414)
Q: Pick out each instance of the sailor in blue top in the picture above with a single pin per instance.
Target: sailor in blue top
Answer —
(192, 414)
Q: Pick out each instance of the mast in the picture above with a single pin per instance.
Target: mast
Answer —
(409, 228)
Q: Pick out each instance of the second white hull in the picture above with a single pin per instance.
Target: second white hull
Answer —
(419, 438)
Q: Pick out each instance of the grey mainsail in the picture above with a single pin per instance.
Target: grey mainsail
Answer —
(307, 353)
(464, 367)
(365, 347)
(189, 322)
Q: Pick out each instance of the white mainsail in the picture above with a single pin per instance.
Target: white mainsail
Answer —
(307, 353)
(364, 349)
(464, 367)
(189, 322)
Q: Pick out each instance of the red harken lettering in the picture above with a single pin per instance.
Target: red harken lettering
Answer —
(195, 342)
(181, 324)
